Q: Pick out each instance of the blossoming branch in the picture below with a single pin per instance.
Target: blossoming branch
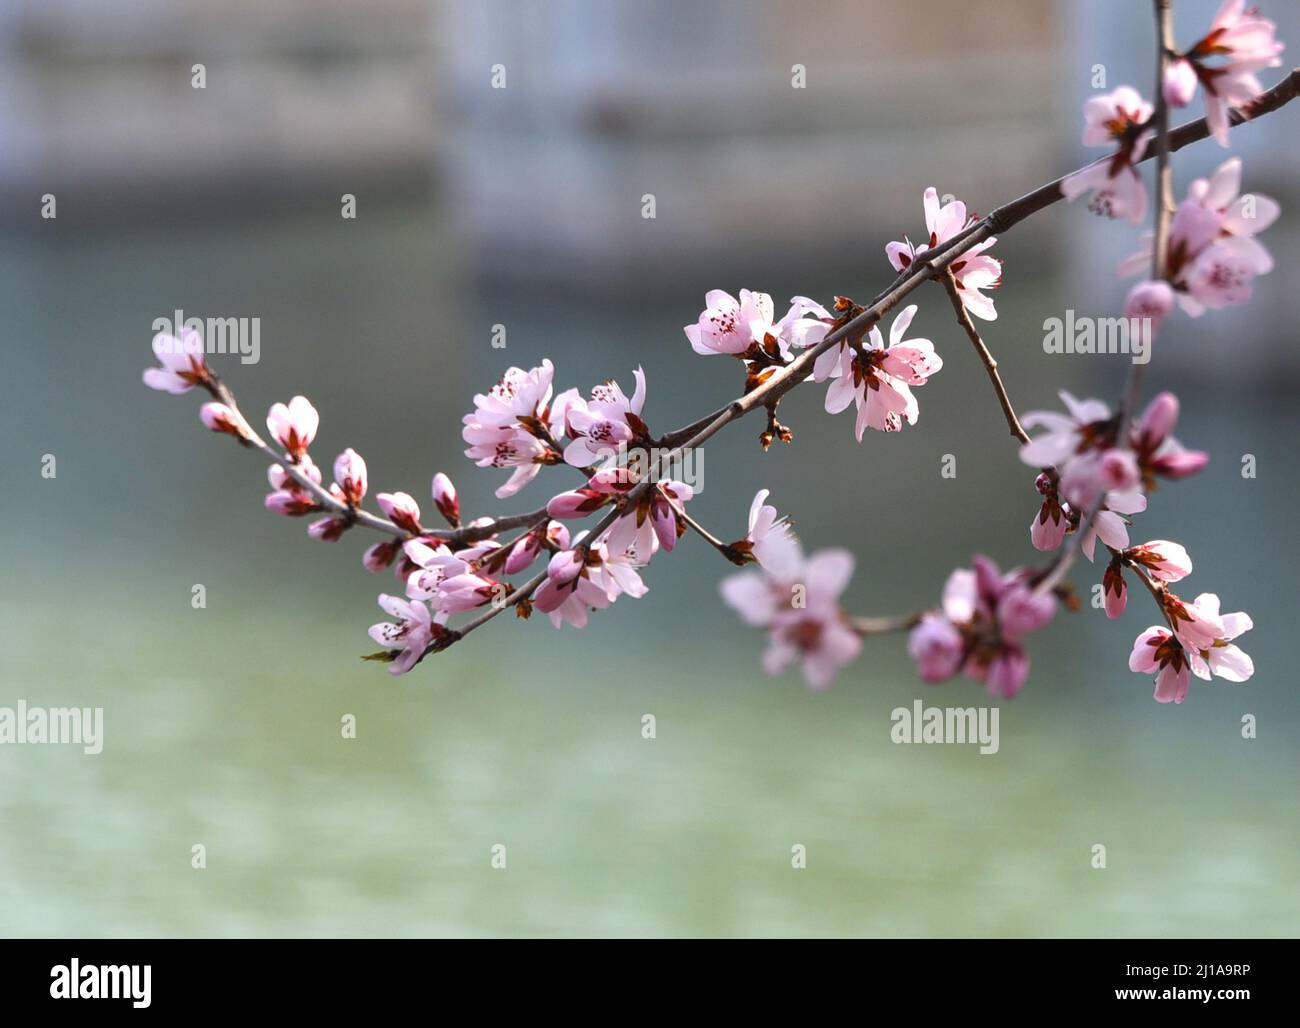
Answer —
(1094, 467)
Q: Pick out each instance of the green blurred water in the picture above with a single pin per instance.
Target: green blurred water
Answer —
(222, 725)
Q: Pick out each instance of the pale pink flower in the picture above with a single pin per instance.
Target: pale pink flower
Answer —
(1197, 627)
(937, 646)
(731, 326)
(432, 563)
(1149, 303)
(586, 578)
(221, 418)
(467, 591)
(877, 378)
(402, 510)
(974, 270)
(281, 479)
(1082, 446)
(602, 423)
(758, 596)
(769, 539)
(1213, 255)
(1110, 523)
(1222, 658)
(1114, 119)
(290, 502)
(350, 476)
(293, 425)
(1163, 560)
(816, 635)
(1179, 84)
(1157, 652)
(183, 366)
(411, 633)
(511, 427)
(797, 330)
(525, 550)
(1245, 43)
(444, 498)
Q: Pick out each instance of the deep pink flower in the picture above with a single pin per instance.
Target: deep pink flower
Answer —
(380, 555)
(937, 646)
(290, 502)
(444, 498)
(1158, 453)
(974, 270)
(1114, 588)
(328, 530)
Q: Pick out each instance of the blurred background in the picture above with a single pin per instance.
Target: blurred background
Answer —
(522, 206)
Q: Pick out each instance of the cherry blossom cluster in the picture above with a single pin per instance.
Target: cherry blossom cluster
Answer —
(588, 543)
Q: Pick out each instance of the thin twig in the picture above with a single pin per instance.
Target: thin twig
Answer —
(990, 364)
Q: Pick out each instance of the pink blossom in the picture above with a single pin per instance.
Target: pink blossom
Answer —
(290, 502)
(815, 634)
(328, 530)
(974, 270)
(281, 479)
(1213, 255)
(877, 378)
(1197, 627)
(1110, 523)
(1222, 658)
(411, 634)
(1114, 119)
(221, 418)
(1179, 84)
(1082, 446)
(653, 521)
(731, 326)
(797, 331)
(511, 427)
(1114, 589)
(604, 422)
(350, 476)
(525, 550)
(1162, 560)
(466, 591)
(293, 425)
(1149, 303)
(990, 613)
(432, 562)
(183, 365)
(1157, 651)
(1158, 453)
(937, 647)
(769, 539)
(586, 578)
(1245, 43)
(380, 555)
(444, 498)
(1054, 518)
(402, 510)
